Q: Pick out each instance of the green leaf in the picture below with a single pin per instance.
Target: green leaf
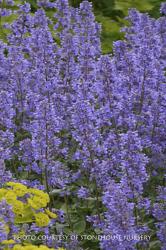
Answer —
(27, 217)
(67, 230)
(63, 207)
(79, 227)
(154, 245)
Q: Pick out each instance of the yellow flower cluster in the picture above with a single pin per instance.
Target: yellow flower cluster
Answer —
(18, 188)
(31, 247)
(27, 211)
(50, 214)
(38, 199)
(28, 247)
(42, 219)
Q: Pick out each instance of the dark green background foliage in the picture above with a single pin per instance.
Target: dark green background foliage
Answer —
(111, 13)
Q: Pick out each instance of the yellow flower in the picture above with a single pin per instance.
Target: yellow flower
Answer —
(37, 202)
(30, 247)
(2, 193)
(18, 247)
(41, 247)
(42, 220)
(10, 196)
(60, 248)
(39, 193)
(11, 183)
(18, 188)
(33, 204)
(50, 214)
(18, 207)
(8, 242)
(38, 198)
(42, 201)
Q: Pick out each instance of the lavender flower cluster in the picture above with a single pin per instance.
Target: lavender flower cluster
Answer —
(83, 124)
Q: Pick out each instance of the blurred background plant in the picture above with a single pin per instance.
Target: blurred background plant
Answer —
(110, 13)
